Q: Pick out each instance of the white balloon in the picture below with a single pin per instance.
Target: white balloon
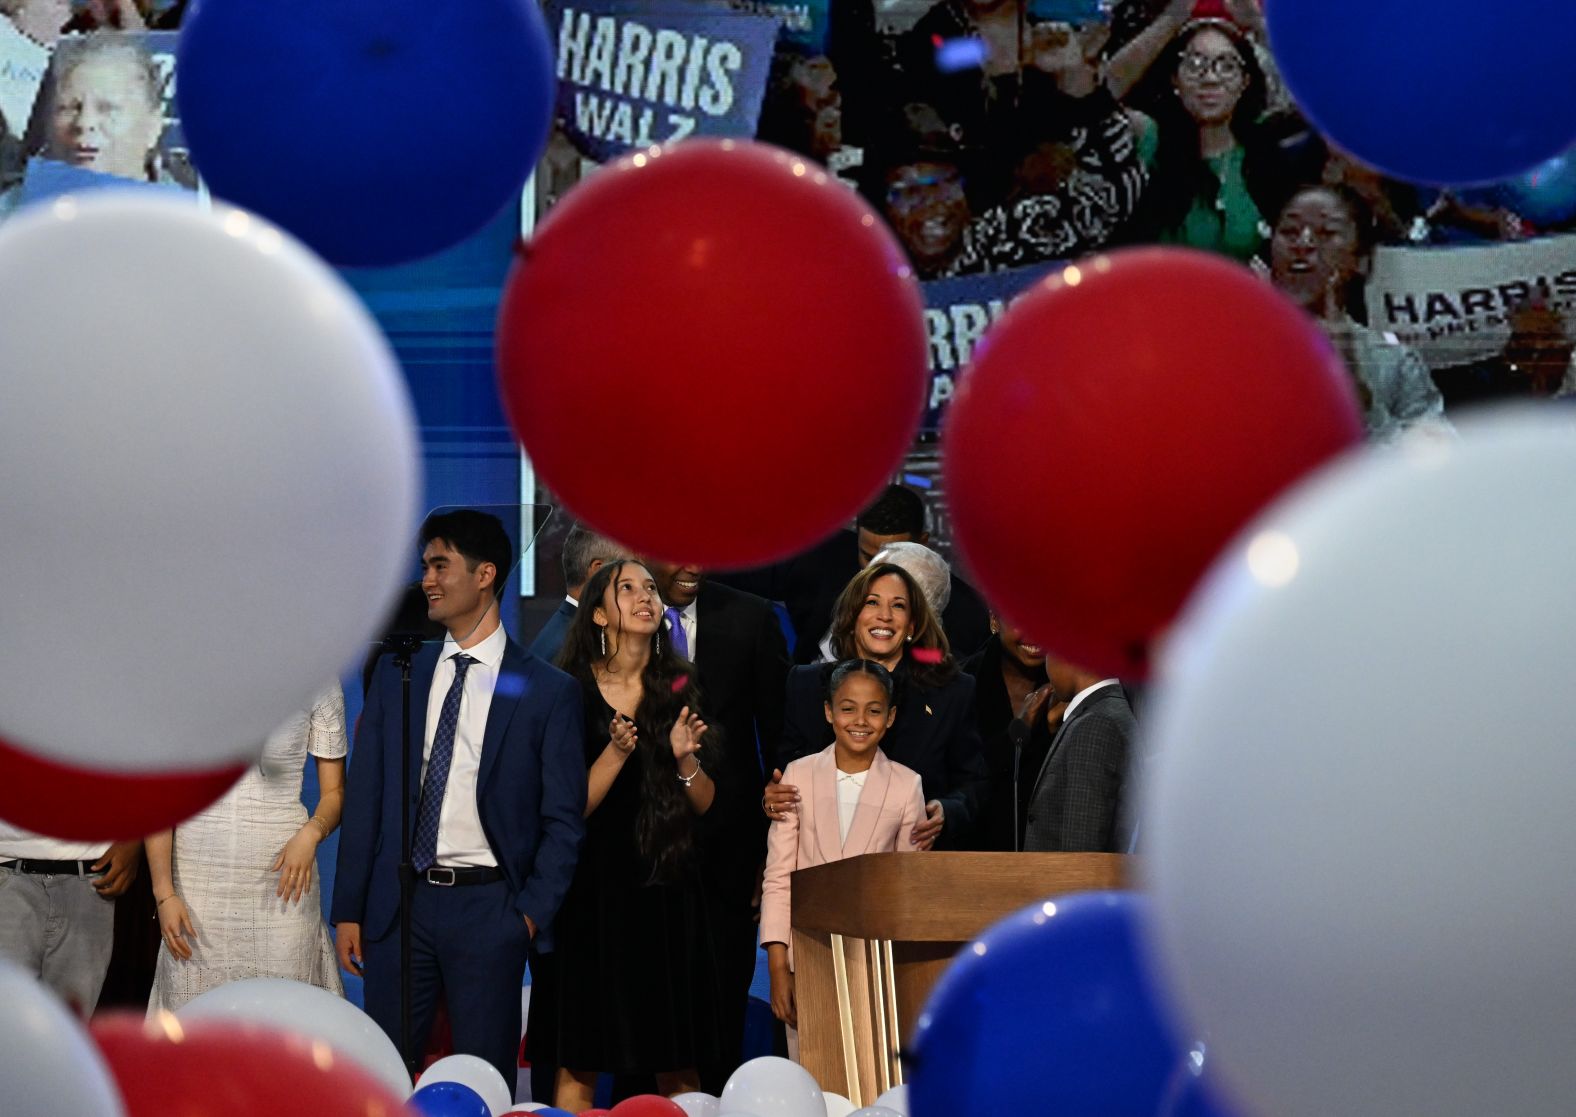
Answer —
(698, 1105)
(836, 1104)
(1359, 826)
(211, 476)
(875, 1111)
(896, 1099)
(295, 1006)
(527, 1107)
(475, 1072)
(48, 1065)
(773, 1087)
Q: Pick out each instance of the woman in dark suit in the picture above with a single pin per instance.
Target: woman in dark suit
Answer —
(883, 616)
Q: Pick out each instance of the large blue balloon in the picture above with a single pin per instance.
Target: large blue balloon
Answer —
(1049, 1011)
(448, 1099)
(377, 131)
(1446, 92)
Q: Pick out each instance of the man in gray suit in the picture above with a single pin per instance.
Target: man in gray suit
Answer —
(1080, 799)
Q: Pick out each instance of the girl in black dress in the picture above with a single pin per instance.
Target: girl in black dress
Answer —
(637, 988)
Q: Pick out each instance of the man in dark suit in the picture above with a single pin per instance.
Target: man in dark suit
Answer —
(1080, 799)
(809, 583)
(583, 555)
(498, 793)
(741, 660)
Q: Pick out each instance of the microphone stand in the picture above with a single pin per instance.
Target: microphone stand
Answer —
(1018, 734)
(403, 646)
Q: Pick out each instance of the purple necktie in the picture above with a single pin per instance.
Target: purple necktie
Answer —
(676, 633)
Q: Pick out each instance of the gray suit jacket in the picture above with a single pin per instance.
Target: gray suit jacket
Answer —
(1079, 801)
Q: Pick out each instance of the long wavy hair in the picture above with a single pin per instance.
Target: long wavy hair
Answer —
(664, 822)
(933, 665)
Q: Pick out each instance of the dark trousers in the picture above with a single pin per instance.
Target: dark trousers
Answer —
(470, 942)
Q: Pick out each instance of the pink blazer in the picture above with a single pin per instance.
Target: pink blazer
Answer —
(891, 804)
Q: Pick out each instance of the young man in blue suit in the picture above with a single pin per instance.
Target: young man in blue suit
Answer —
(498, 795)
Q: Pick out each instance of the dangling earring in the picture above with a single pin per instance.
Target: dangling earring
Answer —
(602, 636)
(656, 643)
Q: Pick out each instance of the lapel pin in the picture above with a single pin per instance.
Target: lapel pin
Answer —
(927, 710)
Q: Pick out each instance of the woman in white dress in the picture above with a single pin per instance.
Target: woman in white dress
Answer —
(236, 892)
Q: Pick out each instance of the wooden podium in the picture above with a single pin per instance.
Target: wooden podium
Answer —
(872, 934)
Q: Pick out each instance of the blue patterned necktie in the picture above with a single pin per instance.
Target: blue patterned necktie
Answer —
(424, 849)
(676, 632)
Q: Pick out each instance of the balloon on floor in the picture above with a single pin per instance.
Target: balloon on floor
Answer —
(47, 1062)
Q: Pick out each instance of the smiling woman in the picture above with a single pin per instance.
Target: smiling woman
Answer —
(882, 615)
(646, 1002)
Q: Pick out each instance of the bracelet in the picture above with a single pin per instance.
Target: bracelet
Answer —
(161, 903)
(691, 778)
(321, 826)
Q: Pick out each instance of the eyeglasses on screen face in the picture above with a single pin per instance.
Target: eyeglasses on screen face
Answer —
(1222, 67)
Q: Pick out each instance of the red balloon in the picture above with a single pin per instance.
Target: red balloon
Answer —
(596, 1113)
(713, 352)
(648, 1105)
(1118, 425)
(86, 804)
(168, 1067)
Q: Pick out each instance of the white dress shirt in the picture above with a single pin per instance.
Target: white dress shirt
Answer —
(1082, 694)
(461, 840)
(849, 785)
(17, 844)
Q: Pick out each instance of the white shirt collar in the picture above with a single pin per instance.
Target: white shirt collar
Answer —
(572, 600)
(489, 651)
(853, 777)
(1085, 693)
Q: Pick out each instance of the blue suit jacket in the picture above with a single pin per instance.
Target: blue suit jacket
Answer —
(530, 790)
(550, 640)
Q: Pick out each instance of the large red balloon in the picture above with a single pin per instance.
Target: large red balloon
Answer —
(169, 1067)
(713, 352)
(86, 804)
(1118, 425)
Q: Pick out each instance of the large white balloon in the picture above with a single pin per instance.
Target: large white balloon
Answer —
(1359, 829)
(773, 1087)
(295, 1006)
(48, 1065)
(210, 481)
(478, 1074)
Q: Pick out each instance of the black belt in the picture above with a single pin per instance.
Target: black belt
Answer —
(445, 877)
(52, 868)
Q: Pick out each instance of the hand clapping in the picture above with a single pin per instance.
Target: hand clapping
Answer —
(622, 734)
(686, 734)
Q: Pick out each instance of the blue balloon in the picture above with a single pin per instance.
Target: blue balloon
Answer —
(448, 1099)
(377, 131)
(1447, 92)
(1049, 1011)
(1545, 195)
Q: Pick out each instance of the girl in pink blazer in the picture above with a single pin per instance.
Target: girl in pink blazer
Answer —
(853, 800)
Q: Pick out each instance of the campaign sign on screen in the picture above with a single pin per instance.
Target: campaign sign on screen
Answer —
(632, 73)
(957, 313)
